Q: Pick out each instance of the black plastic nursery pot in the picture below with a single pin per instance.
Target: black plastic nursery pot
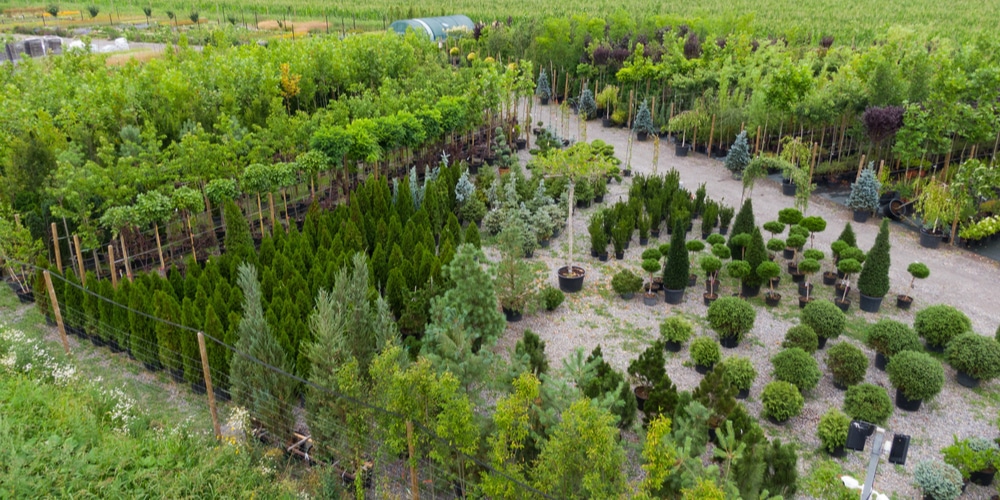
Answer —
(511, 315)
(966, 380)
(772, 299)
(743, 394)
(906, 404)
(650, 299)
(904, 302)
(749, 291)
(680, 150)
(930, 239)
(702, 369)
(861, 216)
(844, 305)
(672, 346)
(881, 361)
(870, 304)
(571, 281)
(729, 342)
(673, 296)
(787, 187)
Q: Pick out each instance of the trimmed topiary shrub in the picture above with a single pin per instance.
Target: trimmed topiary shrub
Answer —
(874, 278)
(781, 401)
(940, 323)
(975, 355)
(825, 318)
(676, 329)
(916, 374)
(796, 367)
(938, 480)
(625, 282)
(677, 265)
(705, 351)
(731, 317)
(553, 297)
(740, 372)
(847, 364)
(801, 336)
(888, 337)
(868, 402)
(832, 430)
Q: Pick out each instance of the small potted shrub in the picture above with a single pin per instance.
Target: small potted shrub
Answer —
(916, 376)
(651, 266)
(705, 353)
(726, 215)
(847, 364)
(768, 271)
(797, 367)
(975, 357)
(938, 324)
(873, 282)
(587, 105)
(826, 319)
(830, 277)
(864, 196)
(647, 370)
(543, 90)
(643, 123)
(868, 402)
(693, 247)
(598, 238)
(677, 266)
(832, 432)
(889, 337)
(674, 331)
(552, 297)
(625, 283)
(801, 336)
(740, 373)
(781, 401)
(917, 270)
(711, 265)
(738, 269)
(846, 267)
(975, 458)
(807, 267)
(938, 480)
(732, 319)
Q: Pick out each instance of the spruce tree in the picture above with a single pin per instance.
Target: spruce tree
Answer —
(739, 154)
(756, 253)
(874, 278)
(677, 267)
(743, 224)
(472, 296)
(168, 311)
(266, 394)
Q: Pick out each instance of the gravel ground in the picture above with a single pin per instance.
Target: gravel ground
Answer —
(596, 316)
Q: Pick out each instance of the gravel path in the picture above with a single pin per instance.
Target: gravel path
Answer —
(596, 316)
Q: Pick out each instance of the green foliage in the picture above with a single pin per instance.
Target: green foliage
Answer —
(472, 296)
(239, 242)
(832, 429)
(552, 297)
(676, 329)
(874, 278)
(868, 402)
(514, 279)
(740, 372)
(918, 270)
(648, 368)
(789, 216)
(543, 89)
(472, 236)
(610, 388)
(755, 256)
(168, 337)
(847, 363)
(532, 347)
(938, 480)
(865, 192)
(974, 354)
(888, 337)
(626, 282)
(917, 374)
(796, 367)
(731, 317)
(972, 455)
(803, 337)
(677, 266)
(739, 154)
(939, 324)
(587, 105)
(847, 236)
(725, 217)
(781, 400)
(825, 318)
(744, 224)
(705, 351)
(582, 458)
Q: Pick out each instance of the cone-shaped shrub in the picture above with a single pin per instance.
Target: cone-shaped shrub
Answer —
(743, 224)
(874, 278)
(677, 267)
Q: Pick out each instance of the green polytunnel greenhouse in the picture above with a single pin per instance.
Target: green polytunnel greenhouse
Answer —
(435, 27)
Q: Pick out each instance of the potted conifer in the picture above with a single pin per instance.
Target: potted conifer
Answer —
(873, 282)
(917, 270)
(739, 156)
(674, 331)
(647, 370)
(711, 265)
(768, 270)
(643, 124)
(676, 269)
(864, 196)
(975, 357)
(650, 264)
(916, 376)
(543, 89)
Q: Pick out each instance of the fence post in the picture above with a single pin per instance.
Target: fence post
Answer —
(414, 484)
(55, 310)
(159, 248)
(208, 386)
(111, 263)
(79, 260)
(128, 265)
(55, 243)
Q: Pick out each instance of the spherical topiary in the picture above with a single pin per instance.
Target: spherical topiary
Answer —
(938, 480)
(888, 337)
(676, 329)
(552, 297)
(705, 351)
(740, 372)
(825, 318)
(803, 337)
(832, 429)
(868, 402)
(781, 401)
(731, 317)
(940, 323)
(847, 363)
(975, 355)
(797, 367)
(916, 374)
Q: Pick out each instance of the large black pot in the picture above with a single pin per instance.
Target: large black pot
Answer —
(803, 289)
(870, 304)
(607, 123)
(743, 394)
(749, 291)
(641, 395)
(881, 361)
(929, 239)
(983, 477)
(966, 380)
(603, 256)
(903, 403)
(821, 342)
(673, 296)
(844, 305)
(787, 188)
(672, 346)
(680, 150)
(512, 316)
(838, 452)
(861, 215)
(641, 136)
(729, 342)
(702, 369)
(571, 283)
(788, 254)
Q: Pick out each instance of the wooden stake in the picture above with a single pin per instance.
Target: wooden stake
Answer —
(861, 165)
(260, 214)
(55, 311)
(756, 142)
(208, 386)
(270, 204)
(97, 265)
(414, 484)
(111, 262)
(128, 265)
(17, 220)
(194, 251)
(79, 259)
(159, 248)
(55, 243)
(711, 132)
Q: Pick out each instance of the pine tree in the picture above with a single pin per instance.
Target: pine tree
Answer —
(472, 235)
(472, 296)
(265, 393)
(874, 278)
(756, 253)
(739, 154)
(531, 347)
(677, 266)
(168, 339)
(452, 347)
(743, 224)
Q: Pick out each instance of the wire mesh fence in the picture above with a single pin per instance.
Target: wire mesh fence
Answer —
(378, 452)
